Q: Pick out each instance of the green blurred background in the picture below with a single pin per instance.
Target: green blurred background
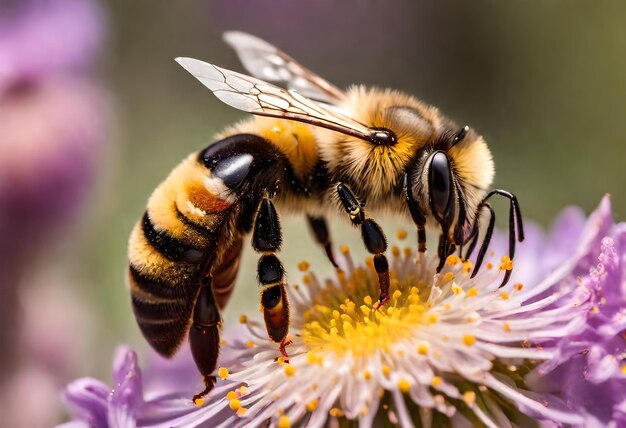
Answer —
(544, 82)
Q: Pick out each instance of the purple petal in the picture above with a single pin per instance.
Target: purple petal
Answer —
(87, 399)
(126, 397)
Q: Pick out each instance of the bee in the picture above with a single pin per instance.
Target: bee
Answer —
(310, 149)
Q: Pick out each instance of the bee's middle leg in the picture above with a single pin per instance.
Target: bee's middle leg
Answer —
(322, 236)
(372, 235)
(267, 239)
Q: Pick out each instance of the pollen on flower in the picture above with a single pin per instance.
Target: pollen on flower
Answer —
(507, 327)
(404, 385)
(368, 300)
(231, 395)
(336, 412)
(469, 339)
(284, 422)
(223, 373)
(386, 370)
(395, 250)
(250, 344)
(432, 319)
(469, 397)
(199, 401)
(489, 265)
(367, 375)
(401, 234)
(289, 370)
(467, 266)
(472, 292)
(344, 249)
(519, 286)
(312, 405)
(422, 349)
(242, 411)
(280, 360)
(506, 263)
(452, 260)
(456, 289)
(623, 369)
(449, 276)
(504, 295)
(234, 404)
(303, 266)
(243, 319)
(436, 381)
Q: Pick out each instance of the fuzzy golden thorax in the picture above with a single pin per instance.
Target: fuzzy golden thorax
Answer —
(374, 170)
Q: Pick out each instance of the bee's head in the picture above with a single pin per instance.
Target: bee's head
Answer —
(449, 179)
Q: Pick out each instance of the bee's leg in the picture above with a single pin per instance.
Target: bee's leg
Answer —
(486, 240)
(416, 214)
(372, 235)
(267, 239)
(204, 336)
(322, 236)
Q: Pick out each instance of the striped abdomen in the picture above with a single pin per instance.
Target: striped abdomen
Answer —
(187, 232)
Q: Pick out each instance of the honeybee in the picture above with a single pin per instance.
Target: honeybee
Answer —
(313, 149)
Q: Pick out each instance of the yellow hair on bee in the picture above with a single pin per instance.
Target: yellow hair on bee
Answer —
(378, 167)
(294, 139)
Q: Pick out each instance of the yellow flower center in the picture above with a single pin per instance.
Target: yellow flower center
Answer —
(343, 318)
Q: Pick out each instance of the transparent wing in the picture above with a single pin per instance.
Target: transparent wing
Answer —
(268, 63)
(261, 98)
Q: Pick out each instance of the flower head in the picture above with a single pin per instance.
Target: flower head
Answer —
(447, 348)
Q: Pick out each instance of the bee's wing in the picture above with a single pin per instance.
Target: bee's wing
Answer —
(264, 99)
(266, 62)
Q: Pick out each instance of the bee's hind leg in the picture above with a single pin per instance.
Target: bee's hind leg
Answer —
(373, 238)
(322, 236)
(267, 239)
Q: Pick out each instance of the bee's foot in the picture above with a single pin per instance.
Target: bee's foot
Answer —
(282, 347)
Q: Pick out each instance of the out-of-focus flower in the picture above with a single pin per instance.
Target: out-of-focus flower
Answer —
(446, 349)
(589, 368)
(53, 128)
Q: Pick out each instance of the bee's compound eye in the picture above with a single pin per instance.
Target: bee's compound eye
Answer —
(439, 182)
(234, 169)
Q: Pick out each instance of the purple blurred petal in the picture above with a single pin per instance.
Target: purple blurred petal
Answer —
(126, 397)
(40, 38)
(87, 399)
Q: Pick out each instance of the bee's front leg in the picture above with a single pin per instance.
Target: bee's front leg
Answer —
(267, 239)
(322, 236)
(373, 238)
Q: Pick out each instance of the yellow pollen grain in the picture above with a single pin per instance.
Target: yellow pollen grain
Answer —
(386, 370)
(223, 342)
(365, 310)
(289, 370)
(432, 318)
(452, 260)
(467, 266)
(404, 385)
(472, 292)
(436, 381)
(243, 319)
(395, 250)
(280, 360)
(368, 300)
(595, 310)
(469, 397)
(623, 369)
(199, 401)
(507, 327)
(234, 404)
(422, 349)
(489, 265)
(504, 295)
(506, 263)
(306, 280)
(231, 395)
(284, 422)
(223, 373)
(447, 306)
(449, 276)
(407, 251)
(401, 234)
(303, 266)
(367, 375)
(242, 411)
(336, 412)
(469, 339)
(312, 405)
(243, 390)
(456, 289)
(519, 286)
(250, 344)
(344, 249)
(397, 294)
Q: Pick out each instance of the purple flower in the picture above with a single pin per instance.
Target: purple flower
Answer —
(53, 128)
(589, 369)
(449, 348)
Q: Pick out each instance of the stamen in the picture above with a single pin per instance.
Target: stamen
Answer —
(234, 404)
(312, 405)
(404, 386)
(284, 422)
(223, 373)
(289, 370)
(243, 319)
(469, 339)
(401, 234)
(303, 266)
(506, 263)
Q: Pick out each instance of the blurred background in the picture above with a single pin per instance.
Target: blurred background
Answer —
(94, 113)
